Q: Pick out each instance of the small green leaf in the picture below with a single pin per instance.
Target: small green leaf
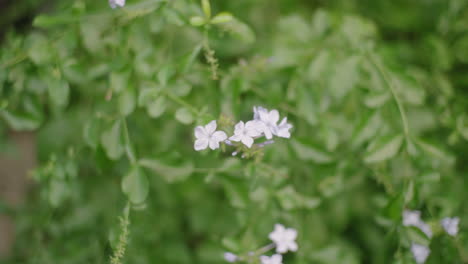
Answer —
(168, 172)
(377, 99)
(290, 199)
(112, 141)
(416, 235)
(59, 92)
(206, 8)
(147, 95)
(127, 102)
(435, 151)
(165, 74)
(308, 152)
(184, 116)
(136, 186)
(156, 108)
(189, 59)
(91, 132)
(21, 121)
(197, 21)
(40, 50)
(369, 126)
(383, 149)
(222, 17)
(118, 81)
(394, 208)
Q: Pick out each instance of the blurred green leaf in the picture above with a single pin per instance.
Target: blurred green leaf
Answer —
(311, 153)
(383, 148)
(222, 17)
(156, 108)
(112, 141)
(135, 185)
(184, 116)
(171, 173)
(127, 102)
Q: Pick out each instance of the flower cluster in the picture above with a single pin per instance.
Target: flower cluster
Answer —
(413, 218)
(284, 240)
(264, 123)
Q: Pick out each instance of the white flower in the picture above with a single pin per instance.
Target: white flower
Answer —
(268, 119)
(282, 130)
(420, 252)
(284, 238)
(208, 136)
(246, 133)
(116, 3)
(413, 218)
(275, 259)
(230, 257)
(450, 225)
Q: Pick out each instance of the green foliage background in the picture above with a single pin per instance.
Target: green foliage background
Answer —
(376, 91)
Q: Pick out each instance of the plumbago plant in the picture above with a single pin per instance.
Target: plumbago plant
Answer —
(135, 104)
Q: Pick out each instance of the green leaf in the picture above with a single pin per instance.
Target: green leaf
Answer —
(184, 116)
(206, 8)
(344, 77)
(59, 91)
(168, 172)
(59, 191)
(21, 121)
(290, 199)
(147, 95)
(394, 208)
(368, 128)
(127, 102)
(222, 17)
(136, 186)
(118, 81)
(156, 108)
(309, 152)
(91, 132)
(239, 30)
(197, 21)
(237, 193)
(189, 59)
(377, 99)
(383, 149)
(435, 151)
(416, 235)
(112, 141)
(40, 51)
(165, 74)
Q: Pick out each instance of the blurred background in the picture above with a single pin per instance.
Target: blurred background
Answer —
(90, 96)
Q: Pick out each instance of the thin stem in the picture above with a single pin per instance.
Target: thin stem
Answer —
(264, 249)
(392, 89)
(128, 145)
(15, 60)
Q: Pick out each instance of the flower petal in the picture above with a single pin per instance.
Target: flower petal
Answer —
(293, 246)
(201, 144)
(239, 127)
(219, 136)
(214, 144)
(248, 141)
(200, 132)
(273, 116)
(290, 234)
(236, 138)
(210, 127)
(281, 248)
